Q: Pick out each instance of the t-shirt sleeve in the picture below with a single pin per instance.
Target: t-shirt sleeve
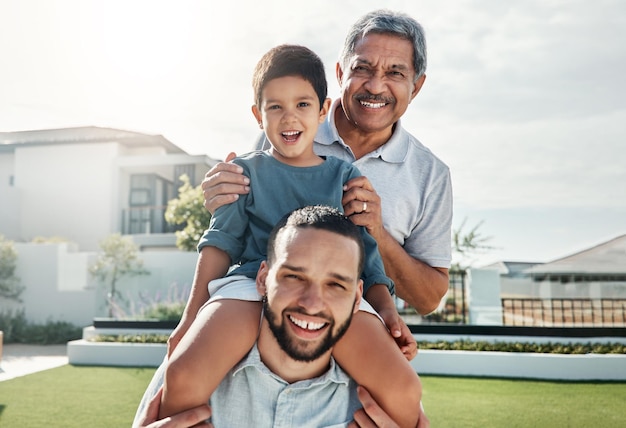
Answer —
(431, 239)
(227, 227)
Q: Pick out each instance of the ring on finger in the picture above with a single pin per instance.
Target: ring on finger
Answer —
(364, 207)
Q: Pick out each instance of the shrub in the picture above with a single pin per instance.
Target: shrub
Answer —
(164, 311)
(17, 329)
(544, 348)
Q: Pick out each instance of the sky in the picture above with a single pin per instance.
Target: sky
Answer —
(525, 101)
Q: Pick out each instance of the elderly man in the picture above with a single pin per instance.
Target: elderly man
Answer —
(311, 288)
(404, 198)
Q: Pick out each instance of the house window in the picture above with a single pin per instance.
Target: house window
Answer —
(147, 202)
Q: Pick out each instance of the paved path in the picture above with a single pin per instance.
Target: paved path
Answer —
(20, 360)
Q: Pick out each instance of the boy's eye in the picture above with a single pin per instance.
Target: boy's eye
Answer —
(303, 104)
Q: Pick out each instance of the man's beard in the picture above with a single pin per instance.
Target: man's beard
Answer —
(289, 343)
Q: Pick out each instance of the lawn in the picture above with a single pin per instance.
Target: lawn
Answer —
(72, 396)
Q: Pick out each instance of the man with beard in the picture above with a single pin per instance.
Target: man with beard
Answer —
(311, 288)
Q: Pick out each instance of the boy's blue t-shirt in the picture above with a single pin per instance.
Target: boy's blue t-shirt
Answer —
(242, 228)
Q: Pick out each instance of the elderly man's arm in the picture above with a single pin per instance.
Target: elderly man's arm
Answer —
(417, 283)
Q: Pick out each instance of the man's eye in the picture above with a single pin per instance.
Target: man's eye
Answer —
(396, 75)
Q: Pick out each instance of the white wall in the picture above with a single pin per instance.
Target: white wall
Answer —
(59, 287)
(67, 191)
(9, 198)
(483, 296)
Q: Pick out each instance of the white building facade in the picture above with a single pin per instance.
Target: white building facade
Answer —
(82, 185)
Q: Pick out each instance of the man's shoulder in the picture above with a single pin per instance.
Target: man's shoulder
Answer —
(418, 152)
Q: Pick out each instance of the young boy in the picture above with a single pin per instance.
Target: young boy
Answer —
(290, 102)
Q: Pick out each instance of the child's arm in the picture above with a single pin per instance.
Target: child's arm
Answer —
(378, 296)
(216, 337)
(212, 263)
(369, 355)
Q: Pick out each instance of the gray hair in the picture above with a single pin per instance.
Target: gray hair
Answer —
(384, 21)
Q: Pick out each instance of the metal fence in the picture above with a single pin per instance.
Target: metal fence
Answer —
(564, 312)
(530, 312)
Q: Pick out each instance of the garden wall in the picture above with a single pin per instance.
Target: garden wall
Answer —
(60, 288)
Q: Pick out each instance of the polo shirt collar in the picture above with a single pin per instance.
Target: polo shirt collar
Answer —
(394, 151)
(334, 374)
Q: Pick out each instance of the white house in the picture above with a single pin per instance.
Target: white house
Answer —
(82, 185)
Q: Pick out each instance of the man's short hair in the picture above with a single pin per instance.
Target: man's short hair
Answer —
(290, 60)
(319, 217)
(384, 21)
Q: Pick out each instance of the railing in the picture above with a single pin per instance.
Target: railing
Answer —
(454, 311)
(564, 312)
(146, 220)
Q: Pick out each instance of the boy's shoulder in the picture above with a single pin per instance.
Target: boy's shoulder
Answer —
(336, 162)
(251, 157)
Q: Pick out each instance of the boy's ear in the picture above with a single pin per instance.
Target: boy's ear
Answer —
(261, 276)
(324, 110)
(257, 115)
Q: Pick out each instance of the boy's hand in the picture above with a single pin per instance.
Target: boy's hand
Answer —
(400, 332)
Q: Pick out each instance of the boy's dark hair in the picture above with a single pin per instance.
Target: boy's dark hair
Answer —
(290, 60)
(317, 217)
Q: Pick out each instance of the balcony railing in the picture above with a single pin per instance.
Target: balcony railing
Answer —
(146, 220)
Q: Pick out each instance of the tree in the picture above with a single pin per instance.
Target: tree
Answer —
(465, 245)
(119, 258)
(10, 287)
(188, 209)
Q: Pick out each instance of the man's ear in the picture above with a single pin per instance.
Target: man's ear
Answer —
(359, 296)
(417, 86)
(261, 276)
(339, 74)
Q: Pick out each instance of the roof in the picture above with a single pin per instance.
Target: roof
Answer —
(10, 140)
(606, 258)
(509, 268)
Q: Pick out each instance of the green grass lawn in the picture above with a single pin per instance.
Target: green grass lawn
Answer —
(72, 396)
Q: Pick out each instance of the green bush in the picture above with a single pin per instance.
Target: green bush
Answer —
(544, 348)
(131, 338)
(17, 329)
(459, 345)
(164, 311)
